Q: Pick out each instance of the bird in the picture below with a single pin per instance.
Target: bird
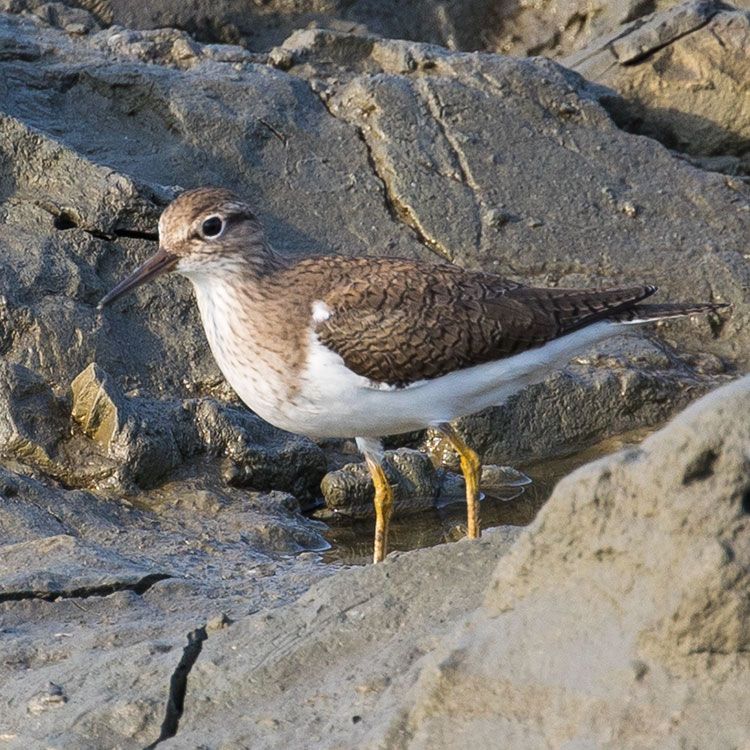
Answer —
(338, 346)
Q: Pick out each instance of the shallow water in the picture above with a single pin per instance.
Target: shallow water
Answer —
(351, 538)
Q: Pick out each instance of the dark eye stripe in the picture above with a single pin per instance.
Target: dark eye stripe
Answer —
(236, 218)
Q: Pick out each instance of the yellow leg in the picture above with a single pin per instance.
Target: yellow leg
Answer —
(383, 507)
(471, 467)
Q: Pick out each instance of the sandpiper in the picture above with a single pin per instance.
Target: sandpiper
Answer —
(338, 346)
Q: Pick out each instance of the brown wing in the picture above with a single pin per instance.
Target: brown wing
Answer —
(403, 322)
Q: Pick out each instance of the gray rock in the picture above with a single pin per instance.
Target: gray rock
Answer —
(457, 25)
(628, 593)
(416, 482)
(641, 559)
(64, 566)
(32, 421)
(388, 615)
(74, 20)
(261, 456)
(560, 29)
(85, 606)
(410, 473)
(144, 440)
(699, 45)
(135, 433)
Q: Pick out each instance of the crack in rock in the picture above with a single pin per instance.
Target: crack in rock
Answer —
(430, 96)
(136, 235)
(139, 587)
(633, 48)
(398, 212)
(178, 685)
(68, 218)
(636, 59)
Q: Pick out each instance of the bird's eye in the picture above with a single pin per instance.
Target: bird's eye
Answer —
(212, 226)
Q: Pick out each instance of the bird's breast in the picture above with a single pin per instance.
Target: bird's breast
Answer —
(259, 365)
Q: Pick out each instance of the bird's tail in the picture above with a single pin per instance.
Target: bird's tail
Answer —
(649, 313)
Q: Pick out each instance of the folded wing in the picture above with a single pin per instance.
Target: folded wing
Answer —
(415, 326)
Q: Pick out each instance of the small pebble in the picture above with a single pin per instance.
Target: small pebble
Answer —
(218, 622)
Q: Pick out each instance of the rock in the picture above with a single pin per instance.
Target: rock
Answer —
(98, 404)
(658, 30)
(457, 25)
(559, 30)
(409, 593)
(47, 320)
(74, 20)
(696, 47)
(267, 523)
(641, 558)
(416, 483)
(83, 594)
(136, 433)
(146, 439)
(410, 473)
(64, 566)
(52, 697)
(170, 47)
(628, 593)
(32, 420)
(261, 456)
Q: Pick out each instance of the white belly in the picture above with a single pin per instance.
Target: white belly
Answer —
(332, 401)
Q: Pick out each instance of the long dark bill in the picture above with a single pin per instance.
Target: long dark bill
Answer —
(159, 263)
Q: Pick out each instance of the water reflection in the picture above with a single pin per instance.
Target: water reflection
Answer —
(351, 538)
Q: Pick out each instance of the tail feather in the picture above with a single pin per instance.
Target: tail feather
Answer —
(649, 313)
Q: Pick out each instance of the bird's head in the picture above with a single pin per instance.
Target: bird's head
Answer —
(203, 232)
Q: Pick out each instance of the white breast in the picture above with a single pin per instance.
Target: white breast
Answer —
(255, 372)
